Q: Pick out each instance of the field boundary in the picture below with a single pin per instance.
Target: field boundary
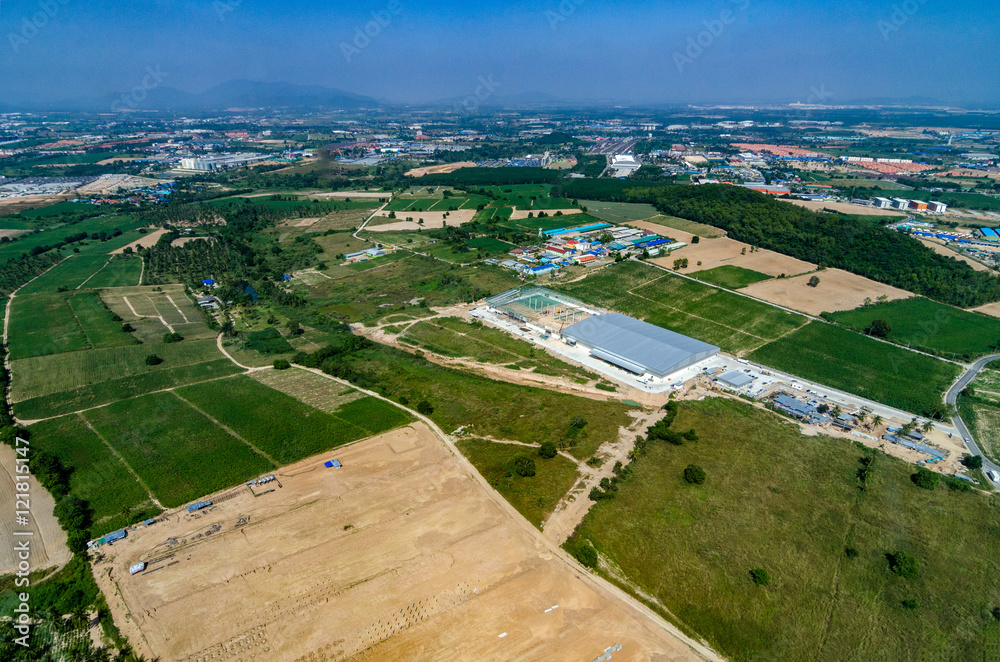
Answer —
(121, 459)
(80, 286)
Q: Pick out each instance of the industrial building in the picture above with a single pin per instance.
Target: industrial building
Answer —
(637, 346)
(882, 203)
(734, 380)
(219, 161)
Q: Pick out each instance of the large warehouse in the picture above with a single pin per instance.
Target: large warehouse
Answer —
(636, 346)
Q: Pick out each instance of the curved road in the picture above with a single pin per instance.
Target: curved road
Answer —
(952, 399)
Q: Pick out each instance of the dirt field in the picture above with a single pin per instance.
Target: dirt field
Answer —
(15, 205)
(941, 249)
(12, 233)
(130, 182)
(714, 253)
(845, 207)
(837, 290)
(432, 220)
(439, 169)
(399, 555)
(48, 544)
(187, 240)
(521, 214)
(146, 241)
(991, 309)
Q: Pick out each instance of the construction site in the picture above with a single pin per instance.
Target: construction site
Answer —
(401, 552)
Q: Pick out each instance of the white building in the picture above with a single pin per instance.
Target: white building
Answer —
(882, 203)
(900, 203)
(624, 165)
(937, 207)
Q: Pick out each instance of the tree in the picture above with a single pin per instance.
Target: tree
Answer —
(877, 421)
(294, 328)
(696, 239)
(928, 426)
(282, 364)
(926, 479)
(814, 281)
(760, 576)
(578, 422)
(425, 408)
(694, 474)
(127, 328)
(153, 359)
(879, 329)
(973, 461)
(903, 564)
(172, 338)
(548, 450)
(524, 466)
(910, 603)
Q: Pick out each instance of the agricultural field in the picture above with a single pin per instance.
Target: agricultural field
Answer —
(308, 387)
(284, 428)
(98, 477)
(122, 271)
(929, 326)
(684, 225)
(43, 324)
(491, 408)
(154, 311)
(734, 323)
(824, 544)
(454, 337)
(536, 496)
(851, 362)
(54, 235)
(619, 213)
(68, 274)
(99, 324)
(178, 452)
(731, 277)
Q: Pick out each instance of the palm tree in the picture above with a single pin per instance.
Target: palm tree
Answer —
(862, 417)
(877, 421)
(928, 426)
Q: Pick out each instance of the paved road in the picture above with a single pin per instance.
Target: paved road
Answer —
(952, 399)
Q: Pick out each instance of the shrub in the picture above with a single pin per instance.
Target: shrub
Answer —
(910, 603)
(425, 408)
(903, 564)
(578, 423)
(879, 329)
(282, 364)
(925, 478)
(172, 337)
(524, 466)
(585, 553)
(694, 474)
(153, 359)
(760, 576)
(127, 328)
(851, 553)
(548, 450)
(403, 400)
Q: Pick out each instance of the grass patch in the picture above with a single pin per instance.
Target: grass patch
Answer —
(734, 323)
(929, 326)
(102, 327)
(177, 451)
(285, 428)
(693, 547)
(44, 324)
(268, 341)
(95, 395)
(120, 272)
(848, 361)
(731, 277)
(69, 274)
(534, 497)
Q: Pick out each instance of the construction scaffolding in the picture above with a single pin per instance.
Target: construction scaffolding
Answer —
(542, 307)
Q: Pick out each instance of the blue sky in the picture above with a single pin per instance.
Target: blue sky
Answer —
(634, 52)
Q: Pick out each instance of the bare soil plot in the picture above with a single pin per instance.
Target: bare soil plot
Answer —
(722, 251)
(188, 240)
(671, 224)
(991, 309)
(12, 233)
(837, 290)
(48, 541)
(432, 220)
(145, 241)
(342, 220)
(15, 205)
(440, 169)
(402, 554)
(846, 208)
(941, 249)
(323, 394)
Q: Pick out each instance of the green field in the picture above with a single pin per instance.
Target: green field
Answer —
(929, 326)
(285, 428)
(98, 476)
(619, 212)
(534, 497)
(98, 323)
(734, 323)
(790, 504)
(52, 236)
(451, 336)
(730, 277)
(851, 362)
(119, 272)
(43, 375)
(43, 324)
(490, 408)
(102, 393)
(68, 274)
(179, 453)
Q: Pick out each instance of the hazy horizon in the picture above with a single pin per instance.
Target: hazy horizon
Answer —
(727, 51)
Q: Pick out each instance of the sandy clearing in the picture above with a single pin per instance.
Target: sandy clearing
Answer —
(14, 205)
(846, 208)
(440, 169)
(521, 214)
(838, 290)
(399, 555)
(118, 159)
(941, 249)
(187, 240)
(12, 233)
(714, 253)
(991, 309)
(48, 542)
(145, 242)
(432, 220)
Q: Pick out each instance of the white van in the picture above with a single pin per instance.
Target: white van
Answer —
(992, 475)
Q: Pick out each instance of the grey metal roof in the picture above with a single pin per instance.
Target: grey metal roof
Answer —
(637, 342)
(736, 379)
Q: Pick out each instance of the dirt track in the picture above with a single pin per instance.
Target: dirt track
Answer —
(399, 555)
